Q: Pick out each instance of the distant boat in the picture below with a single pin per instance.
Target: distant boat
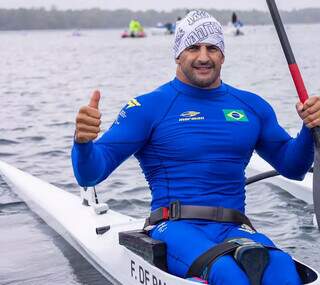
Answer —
(163, 29)
(234, 29)
(76, 33)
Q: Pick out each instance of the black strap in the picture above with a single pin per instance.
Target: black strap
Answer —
(202, 265)
(198, 267)
(176, 211)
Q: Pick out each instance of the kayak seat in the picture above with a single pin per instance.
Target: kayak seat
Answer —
(153, 251)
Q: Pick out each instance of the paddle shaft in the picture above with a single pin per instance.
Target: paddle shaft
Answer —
(266, 175)
(294, 68)
(303, 95)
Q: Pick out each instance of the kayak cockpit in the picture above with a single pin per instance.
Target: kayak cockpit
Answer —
(154, 252)
(307, 275)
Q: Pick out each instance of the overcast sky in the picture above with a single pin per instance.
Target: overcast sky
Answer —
(160, 4)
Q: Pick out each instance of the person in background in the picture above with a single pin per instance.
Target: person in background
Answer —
(234, 18)
(135, 28)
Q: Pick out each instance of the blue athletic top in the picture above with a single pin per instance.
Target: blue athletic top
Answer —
(194, 144)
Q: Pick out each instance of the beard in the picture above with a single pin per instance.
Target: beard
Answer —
(199, 81)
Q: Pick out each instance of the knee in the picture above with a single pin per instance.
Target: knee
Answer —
(281, 270)
(278, 256)
(225, 270)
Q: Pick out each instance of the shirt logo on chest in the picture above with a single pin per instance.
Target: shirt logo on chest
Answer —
(190, 116)
(235, 115)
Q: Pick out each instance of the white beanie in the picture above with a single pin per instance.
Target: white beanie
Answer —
(196, 27)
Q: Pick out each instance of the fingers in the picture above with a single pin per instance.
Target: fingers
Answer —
(88, 129)
(310, 111)
(91, 112)
(314, 123)
(311, 101)
(310, 107)
(83, 117)
(94, 100)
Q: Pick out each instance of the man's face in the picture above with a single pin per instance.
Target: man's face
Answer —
(200, 65)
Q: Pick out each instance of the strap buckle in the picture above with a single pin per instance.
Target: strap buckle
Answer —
(174, 211)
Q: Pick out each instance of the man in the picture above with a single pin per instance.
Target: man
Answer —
(193, 137)
(236, 23)
(234, 18)
(135, 27)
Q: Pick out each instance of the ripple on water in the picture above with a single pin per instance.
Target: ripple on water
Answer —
(58, 124)
(133, 207)
(12, 208)
(32, 138)
(7, 142)
(136, 191)
(69, 138)
(21, 128)
(6, 154)
(52, 153)
(117, 184)
(67, 185)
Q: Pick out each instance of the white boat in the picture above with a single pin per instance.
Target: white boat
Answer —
(299, 189)
(232, 30)
(160, 31)
(96, 236)
(76, 33)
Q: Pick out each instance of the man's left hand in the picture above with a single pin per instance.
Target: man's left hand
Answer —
(309, 112)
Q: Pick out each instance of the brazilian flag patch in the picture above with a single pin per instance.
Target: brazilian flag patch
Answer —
(235, 115)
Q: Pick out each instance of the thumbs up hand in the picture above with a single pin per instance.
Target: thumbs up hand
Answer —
(88, 120)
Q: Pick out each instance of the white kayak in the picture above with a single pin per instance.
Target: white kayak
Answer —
(77, 223)
(299, 189)
(160, 31)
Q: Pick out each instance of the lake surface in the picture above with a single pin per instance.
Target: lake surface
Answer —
(45, 76)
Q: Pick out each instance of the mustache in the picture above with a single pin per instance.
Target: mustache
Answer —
(207, 64)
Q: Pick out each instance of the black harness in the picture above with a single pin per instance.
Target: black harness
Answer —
(252, 257)
(176, 211)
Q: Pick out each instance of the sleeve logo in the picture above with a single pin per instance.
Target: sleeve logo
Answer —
(133, 103)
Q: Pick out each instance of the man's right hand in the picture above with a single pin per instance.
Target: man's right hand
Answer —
(88, 120)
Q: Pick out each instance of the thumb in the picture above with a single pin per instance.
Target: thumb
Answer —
(94, 100)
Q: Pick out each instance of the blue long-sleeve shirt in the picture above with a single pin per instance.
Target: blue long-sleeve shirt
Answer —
(194, 144)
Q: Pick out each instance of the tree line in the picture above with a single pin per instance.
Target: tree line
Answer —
(29, 19)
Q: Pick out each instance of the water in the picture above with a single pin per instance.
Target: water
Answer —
(45, 76)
